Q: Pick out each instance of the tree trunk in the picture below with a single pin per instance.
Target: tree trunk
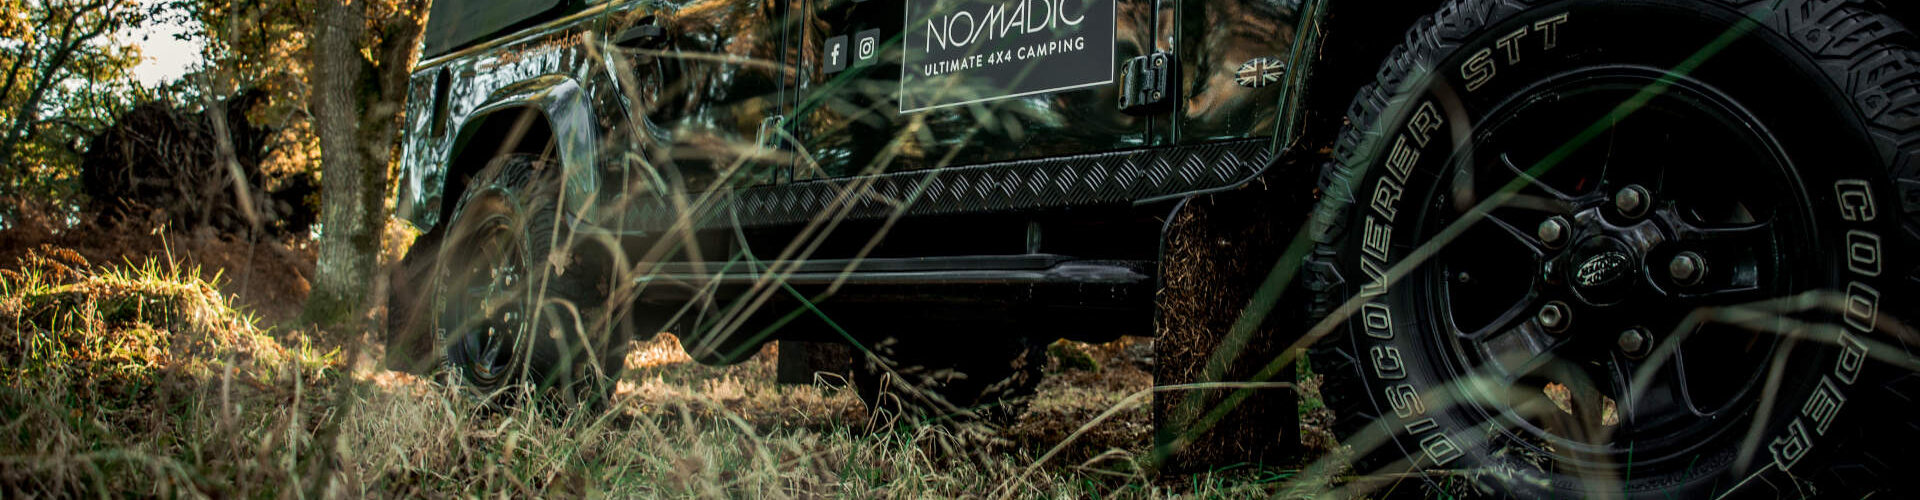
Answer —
(349, 244)
(357, 116)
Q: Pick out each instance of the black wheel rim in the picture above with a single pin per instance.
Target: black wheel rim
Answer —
(484, 306)
(1582, 278)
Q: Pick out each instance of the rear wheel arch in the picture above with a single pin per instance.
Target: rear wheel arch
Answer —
(499, 133)
(546, 116)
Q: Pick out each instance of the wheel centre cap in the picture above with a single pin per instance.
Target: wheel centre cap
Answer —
(1601, 269)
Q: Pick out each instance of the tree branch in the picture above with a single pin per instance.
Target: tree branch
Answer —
(29, 110)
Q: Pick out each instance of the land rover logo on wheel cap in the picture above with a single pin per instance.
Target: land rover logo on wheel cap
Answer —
(1601, 269)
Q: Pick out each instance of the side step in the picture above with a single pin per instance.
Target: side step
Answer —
(1036, 279)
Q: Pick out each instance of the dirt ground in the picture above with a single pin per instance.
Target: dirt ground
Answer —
(659, 375)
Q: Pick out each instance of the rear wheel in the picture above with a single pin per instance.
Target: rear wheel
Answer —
(1653, 264)
(519, 304)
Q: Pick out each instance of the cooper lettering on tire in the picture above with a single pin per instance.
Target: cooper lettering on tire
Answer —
(1589, 245)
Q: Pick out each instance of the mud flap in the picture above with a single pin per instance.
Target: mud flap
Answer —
(1219, 250)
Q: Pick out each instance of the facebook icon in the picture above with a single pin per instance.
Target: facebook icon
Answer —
(836, 52)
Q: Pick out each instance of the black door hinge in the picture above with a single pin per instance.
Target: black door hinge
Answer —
(769, 134)
(769, 139)
(1146, 84)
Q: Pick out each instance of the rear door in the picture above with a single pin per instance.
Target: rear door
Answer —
(900, 85)
(700, 95)
(1236, 56)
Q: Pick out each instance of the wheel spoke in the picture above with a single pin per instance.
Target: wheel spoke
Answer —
(1518, 315)
(1685, 389)
(1527, 238)
(1760, 233)
(497, 341)
(1739, 261)
(1506, 161)
(1724, 295)
(1518, 348)
(473, 339)
(1715, 364)
(1661, 400)
(1639, 154)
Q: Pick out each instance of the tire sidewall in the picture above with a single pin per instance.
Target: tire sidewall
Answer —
(546, 354)
(498, 191)
(1825, 140)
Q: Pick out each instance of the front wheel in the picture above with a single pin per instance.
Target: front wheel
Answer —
(1578, 260)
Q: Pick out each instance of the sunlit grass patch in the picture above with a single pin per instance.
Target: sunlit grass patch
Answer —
(129, 320)
(111, 373)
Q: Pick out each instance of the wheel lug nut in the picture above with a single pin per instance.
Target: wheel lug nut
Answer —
(1553, 230)
(1687, 268)
(1554, 317)
(1634, 341)
(1632, 200)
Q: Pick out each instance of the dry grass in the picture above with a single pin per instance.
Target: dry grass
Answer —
(267, 277)
(145, 381)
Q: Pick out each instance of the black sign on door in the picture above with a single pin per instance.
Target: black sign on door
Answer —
(966, 51)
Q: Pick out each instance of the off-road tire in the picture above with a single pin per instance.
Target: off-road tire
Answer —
(563, 350)
(1835, 83)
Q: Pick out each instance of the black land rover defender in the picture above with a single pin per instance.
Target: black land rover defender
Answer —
(1594, 247)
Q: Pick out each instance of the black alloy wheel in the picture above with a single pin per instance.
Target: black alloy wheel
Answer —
(484, 317)
(1603, 257)
(1633, 248)
(513, 318)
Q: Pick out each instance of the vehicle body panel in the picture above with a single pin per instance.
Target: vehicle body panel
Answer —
(852, 123)
(1237, 54)
(1113, 178)
(541, 70)
(703, 96)
(696, 110)
(457, 23)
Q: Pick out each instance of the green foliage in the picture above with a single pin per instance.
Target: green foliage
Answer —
(139, 380)
(1071, 356)
(114, 329)
(258, 45)
(264, 45)
(65, 77)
